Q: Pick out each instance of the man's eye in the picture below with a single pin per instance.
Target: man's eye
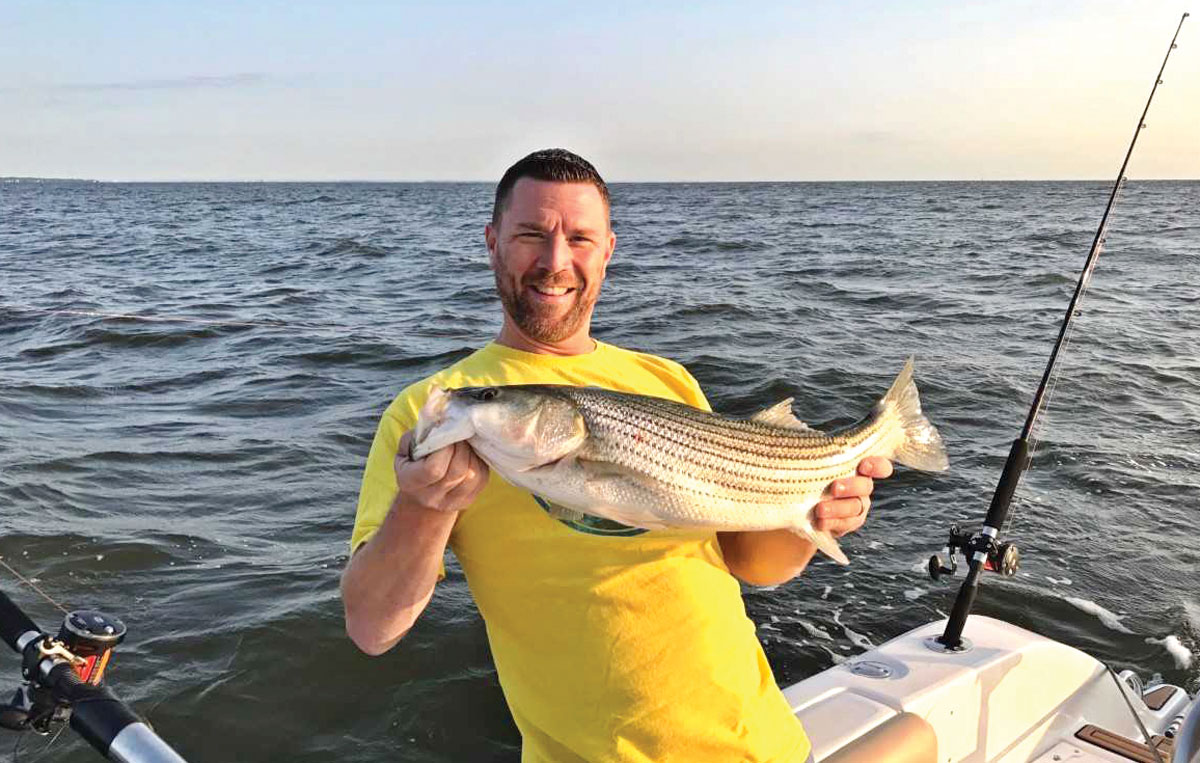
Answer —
(531, 235)
(580, 240)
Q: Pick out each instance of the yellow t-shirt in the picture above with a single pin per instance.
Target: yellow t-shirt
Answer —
(612, 644)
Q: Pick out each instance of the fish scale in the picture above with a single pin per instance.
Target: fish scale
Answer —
(652, 463)
(787, 466)
(747, 433)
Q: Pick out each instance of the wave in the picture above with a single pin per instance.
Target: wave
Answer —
(352, 247)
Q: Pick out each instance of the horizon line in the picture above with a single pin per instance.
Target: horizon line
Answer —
(35, 180)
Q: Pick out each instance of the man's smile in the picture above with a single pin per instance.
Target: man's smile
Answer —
(551, 294)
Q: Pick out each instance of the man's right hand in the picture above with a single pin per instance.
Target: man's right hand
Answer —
(389, 579)
(445, 480)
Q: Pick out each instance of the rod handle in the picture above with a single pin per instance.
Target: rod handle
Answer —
(1014, 467)
(14, 623)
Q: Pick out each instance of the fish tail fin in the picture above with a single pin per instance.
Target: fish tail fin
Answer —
(922, 447)
(825, 543)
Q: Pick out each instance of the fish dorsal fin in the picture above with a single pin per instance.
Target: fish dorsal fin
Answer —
(780, 415)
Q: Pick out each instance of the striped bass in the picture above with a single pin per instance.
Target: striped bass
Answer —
(653, 463)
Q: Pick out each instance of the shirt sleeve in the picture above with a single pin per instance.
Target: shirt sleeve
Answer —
(379, 478)
(695, 395)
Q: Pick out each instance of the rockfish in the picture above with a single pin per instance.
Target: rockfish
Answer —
(653, 463)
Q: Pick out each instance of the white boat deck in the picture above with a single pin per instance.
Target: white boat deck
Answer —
(1012, 697)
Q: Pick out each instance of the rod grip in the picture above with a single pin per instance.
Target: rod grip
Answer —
(952, 636)
(1017, 463)
(96, 713)
(13, 622)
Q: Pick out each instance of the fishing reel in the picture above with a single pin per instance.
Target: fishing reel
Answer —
(1004, 558)
(85, 642)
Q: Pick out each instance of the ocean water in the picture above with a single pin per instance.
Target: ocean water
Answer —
(191, 374)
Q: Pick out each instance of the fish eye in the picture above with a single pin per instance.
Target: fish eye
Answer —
(487, 393)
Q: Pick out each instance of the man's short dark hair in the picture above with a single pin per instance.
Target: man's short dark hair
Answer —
(556, 165)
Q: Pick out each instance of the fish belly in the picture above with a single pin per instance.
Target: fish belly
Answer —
(607, 490)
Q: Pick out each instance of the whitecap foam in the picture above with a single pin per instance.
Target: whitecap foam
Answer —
(1109, 619)
(913, 594)
(1174, 647)
(856, 638)
(837, 658)
(815, 631)
(1191, 611)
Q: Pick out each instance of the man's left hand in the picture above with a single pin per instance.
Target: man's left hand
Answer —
(847, 510)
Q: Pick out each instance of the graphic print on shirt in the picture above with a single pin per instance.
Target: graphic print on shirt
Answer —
(586, 523)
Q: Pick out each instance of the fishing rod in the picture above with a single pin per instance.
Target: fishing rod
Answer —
(984, 550)
(63, 682)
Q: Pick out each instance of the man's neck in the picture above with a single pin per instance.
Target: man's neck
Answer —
(580, 343)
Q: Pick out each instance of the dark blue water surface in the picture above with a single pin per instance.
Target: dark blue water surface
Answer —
(191, 374)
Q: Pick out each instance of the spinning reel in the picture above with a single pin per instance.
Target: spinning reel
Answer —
(1004, 558)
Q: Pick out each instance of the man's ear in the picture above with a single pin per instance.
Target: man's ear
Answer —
(612, 244)
(491, 237)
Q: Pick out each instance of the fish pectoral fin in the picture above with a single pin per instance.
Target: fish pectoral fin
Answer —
(597, 473)
(558, 511)
(780, 415)
(602, 476)
(574, 516)
(599, 469)
(632, 519)
(825, 543)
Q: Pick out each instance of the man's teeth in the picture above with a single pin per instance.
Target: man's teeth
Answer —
(551, 291)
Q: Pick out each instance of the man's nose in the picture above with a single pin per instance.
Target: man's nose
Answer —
(556, 254)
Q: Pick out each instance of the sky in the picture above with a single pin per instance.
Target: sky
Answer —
(670, 91)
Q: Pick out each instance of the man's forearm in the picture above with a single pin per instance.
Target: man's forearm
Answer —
(768, 557)
(774, 556)
(389, 580)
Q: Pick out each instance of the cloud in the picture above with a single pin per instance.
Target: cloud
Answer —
(194, 82)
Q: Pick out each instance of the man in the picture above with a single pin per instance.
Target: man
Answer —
(612, 643)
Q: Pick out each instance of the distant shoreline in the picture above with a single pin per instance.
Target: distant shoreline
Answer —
(8, 180)
(45, 181)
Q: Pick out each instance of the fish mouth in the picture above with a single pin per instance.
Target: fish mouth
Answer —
(437, 427)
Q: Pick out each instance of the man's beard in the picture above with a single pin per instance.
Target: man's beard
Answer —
(544, 323)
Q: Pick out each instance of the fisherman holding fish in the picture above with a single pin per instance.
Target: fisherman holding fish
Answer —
(606, 575)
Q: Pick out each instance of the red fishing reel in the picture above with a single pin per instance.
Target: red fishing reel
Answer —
(91, 637)
(84, 642)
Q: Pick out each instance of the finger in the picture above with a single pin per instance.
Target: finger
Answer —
(841, 508)
(433, 467)
(458, 472)
(479, 466)
(839, 527)
(850, 487)
(459, 461)
(461, 495)
(875, 466)
(841, 517)
(404, 449)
